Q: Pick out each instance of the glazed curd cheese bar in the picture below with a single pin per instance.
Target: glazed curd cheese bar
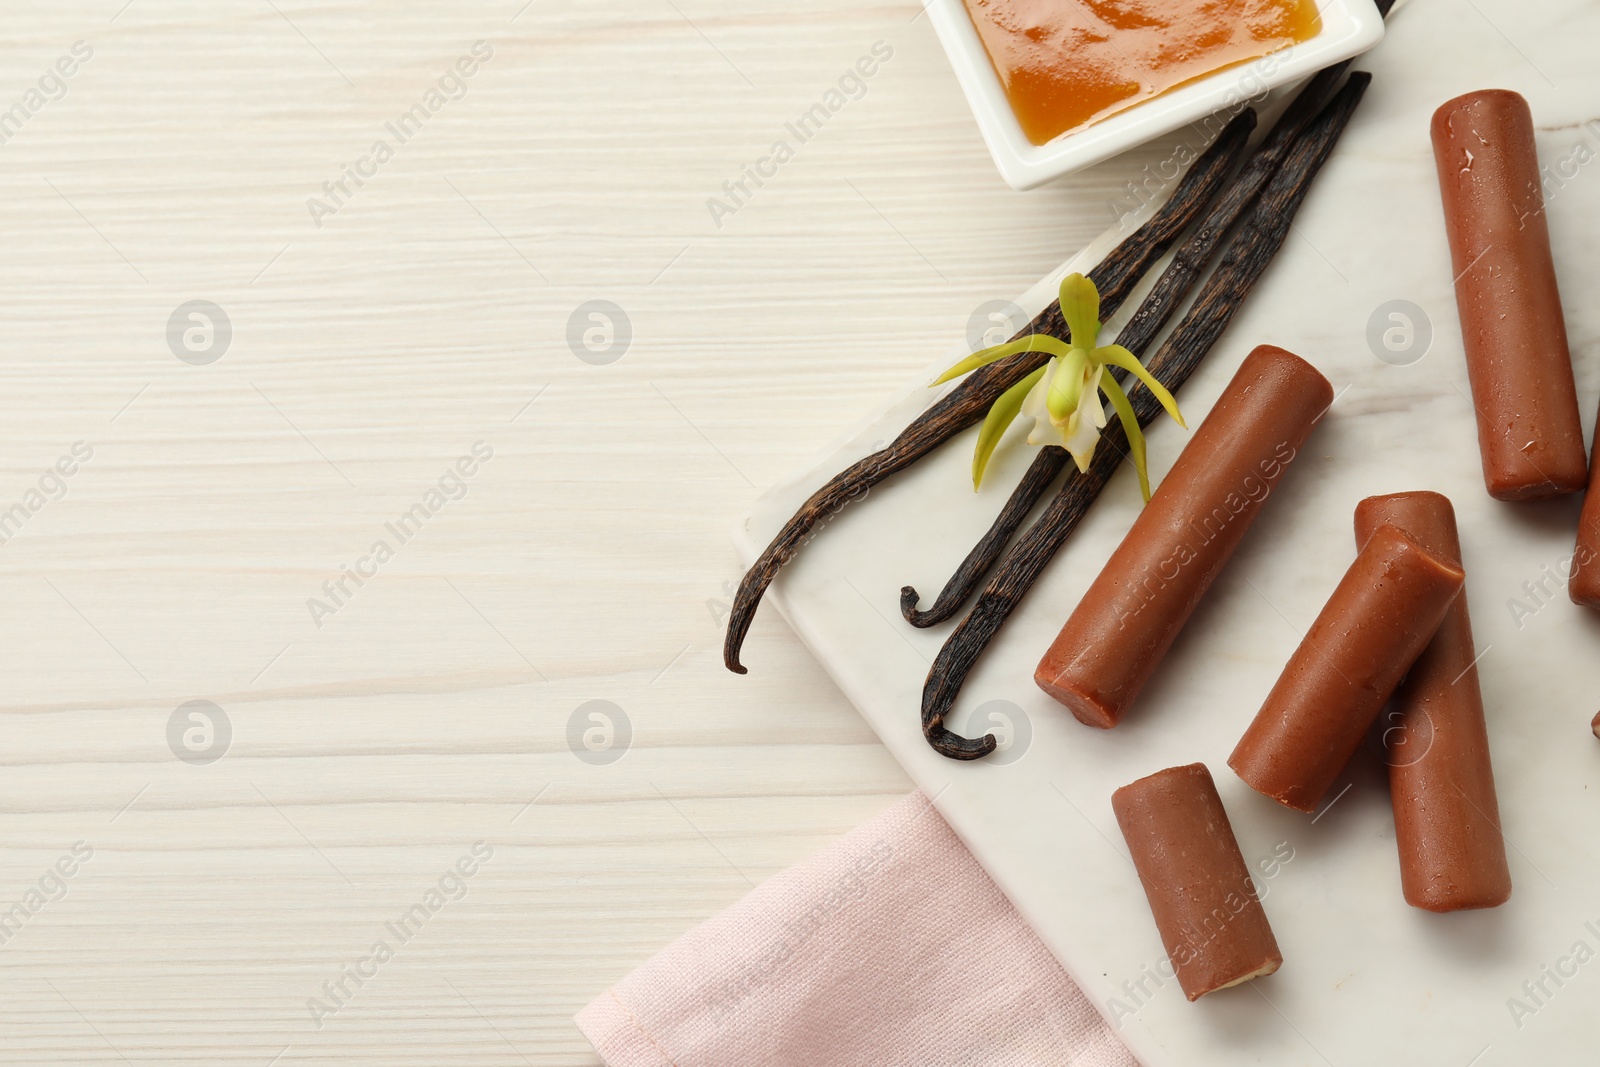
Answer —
(1381, 616)
(1529, 432)
(1446, 815)
(1205, 905)
(1124, 624)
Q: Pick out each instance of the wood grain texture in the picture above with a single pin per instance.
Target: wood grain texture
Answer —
(587, 560)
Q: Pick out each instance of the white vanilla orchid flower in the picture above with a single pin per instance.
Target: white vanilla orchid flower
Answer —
(1063, 396)
(1080, 430)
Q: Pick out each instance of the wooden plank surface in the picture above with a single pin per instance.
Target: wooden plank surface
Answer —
(377, 731)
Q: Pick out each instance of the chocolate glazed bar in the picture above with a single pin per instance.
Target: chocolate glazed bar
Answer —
(1383, 613)
(1205, 906)
(1130, 616)
(1446, 817)
(1516, 341)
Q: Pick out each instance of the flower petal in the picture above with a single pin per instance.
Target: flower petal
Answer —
(1045, 432)
(1001, 413)
(1067, 385)
(1084, 435)
(1091, 391)
(1080, 306)
(1130, 426)
(1118, 356)
(1034, 342)
(1034, 403)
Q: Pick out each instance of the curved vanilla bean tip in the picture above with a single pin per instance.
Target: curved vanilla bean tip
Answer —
(957, 747)
(966, 404)
(1046, 465)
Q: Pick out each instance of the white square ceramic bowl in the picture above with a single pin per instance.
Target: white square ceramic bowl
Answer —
(1349, 27)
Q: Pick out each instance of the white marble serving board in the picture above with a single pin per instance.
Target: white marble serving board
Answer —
(1366, 979)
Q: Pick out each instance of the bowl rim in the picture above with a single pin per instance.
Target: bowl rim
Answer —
(1349, 27)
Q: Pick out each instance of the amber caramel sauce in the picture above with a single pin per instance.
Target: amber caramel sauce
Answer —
(1067, 63)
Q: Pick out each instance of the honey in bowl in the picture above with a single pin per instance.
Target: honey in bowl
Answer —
(1067, 63)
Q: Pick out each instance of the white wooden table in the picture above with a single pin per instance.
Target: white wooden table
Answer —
(376, 732)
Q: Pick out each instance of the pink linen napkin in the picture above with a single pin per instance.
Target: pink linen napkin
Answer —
(889, 948)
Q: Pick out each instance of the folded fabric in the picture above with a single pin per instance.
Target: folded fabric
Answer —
(890, 947)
